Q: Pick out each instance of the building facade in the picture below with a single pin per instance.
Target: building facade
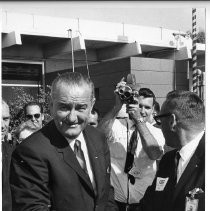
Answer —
(36, 48)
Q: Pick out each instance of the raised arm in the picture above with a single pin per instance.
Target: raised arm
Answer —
(106, 123)
(149, 142)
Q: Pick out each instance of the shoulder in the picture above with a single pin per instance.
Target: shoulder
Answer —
(168, 157)
(92, 129)
(93, 132)
(38, 142)
(95, 136)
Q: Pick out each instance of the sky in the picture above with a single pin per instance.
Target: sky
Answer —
(167, 14)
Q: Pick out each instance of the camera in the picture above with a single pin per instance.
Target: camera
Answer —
(128, 91)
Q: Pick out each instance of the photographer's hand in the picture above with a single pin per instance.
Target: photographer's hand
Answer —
(149, 143)
(118, 101)
(134, 112)
(121, 83)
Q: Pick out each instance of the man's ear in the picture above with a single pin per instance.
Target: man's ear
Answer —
(42, 117)
(93, 102)
(173, 122)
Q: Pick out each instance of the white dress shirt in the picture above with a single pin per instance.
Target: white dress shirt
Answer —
(86, 155)
(143, 165)
(186, 153)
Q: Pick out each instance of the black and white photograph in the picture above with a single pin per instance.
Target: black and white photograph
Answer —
(104, 105)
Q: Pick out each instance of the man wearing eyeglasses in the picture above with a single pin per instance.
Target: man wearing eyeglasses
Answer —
(179, 184)
(34, 112)
(134, 144)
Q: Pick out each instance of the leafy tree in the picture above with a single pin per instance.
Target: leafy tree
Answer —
(201, 37)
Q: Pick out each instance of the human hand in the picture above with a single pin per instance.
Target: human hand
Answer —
(120, 84)
(134, 112)
(118, 101)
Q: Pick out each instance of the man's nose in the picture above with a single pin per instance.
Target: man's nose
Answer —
(142, 110)
(33, 118)
(2, 124)
(72, 117)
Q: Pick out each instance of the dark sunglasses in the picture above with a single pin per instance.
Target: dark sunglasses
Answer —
(29, 116)
(158, 117)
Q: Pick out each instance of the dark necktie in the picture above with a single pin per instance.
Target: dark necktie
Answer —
(176, 163)
(80, 155)
(130, 155)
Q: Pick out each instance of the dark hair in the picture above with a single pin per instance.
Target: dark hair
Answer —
(72, 79)
(95, 110)
(187, 106)
(156, 106)
(33, 104)
(147, 93)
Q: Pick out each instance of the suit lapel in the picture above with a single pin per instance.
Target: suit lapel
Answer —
(62, 146)
(192, 166)
(70, 159)
(97, 161)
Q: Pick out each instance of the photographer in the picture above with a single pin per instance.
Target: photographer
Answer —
(134, 144)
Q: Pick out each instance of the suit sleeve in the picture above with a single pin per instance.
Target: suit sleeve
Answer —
(29, 180)
(148, 202)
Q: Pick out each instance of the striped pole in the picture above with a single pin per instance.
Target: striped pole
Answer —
(194, 53)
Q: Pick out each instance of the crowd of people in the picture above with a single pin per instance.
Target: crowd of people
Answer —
(138, 157)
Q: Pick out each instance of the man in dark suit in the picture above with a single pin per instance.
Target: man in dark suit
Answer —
(180, 181)
(7, 146)
(66, 165)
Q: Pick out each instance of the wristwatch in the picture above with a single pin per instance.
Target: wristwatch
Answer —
(140, 120)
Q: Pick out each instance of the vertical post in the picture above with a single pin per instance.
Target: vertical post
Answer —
(78, 25)
(161, 32)
(123, 29)
(194, 53)
(72, 48)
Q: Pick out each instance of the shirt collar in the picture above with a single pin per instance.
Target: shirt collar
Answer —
(80, 138)
(187, 151)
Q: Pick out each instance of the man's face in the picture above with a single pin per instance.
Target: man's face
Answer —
(146, 107)
(71, 107)
(93, 119)
(169, 135)
(33, 113)
(5, 120)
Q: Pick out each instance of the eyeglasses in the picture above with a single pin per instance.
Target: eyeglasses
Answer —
(158, 117)
(29, 116)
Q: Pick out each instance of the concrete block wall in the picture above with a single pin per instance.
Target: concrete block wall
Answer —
(156, 74)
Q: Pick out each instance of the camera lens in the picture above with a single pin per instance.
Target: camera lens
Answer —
(127, 94)
(121, 91)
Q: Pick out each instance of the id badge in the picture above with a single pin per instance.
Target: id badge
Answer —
(191, 204)
(135, 172)
(161, 183)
